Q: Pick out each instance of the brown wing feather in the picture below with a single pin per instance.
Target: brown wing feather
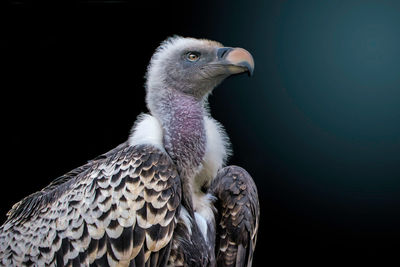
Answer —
(237, 216)
(121, 209)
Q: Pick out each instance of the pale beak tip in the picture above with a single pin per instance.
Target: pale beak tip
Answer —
(241, 57)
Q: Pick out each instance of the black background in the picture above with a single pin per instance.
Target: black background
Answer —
(323, 152)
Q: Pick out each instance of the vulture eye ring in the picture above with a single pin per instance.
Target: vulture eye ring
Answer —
(192, 56)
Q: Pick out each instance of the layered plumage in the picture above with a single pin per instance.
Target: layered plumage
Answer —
(162, 198)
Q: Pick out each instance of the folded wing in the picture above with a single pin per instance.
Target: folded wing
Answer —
(120, 208)
(237, 216)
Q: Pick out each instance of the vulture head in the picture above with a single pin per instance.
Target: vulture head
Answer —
(193, 66)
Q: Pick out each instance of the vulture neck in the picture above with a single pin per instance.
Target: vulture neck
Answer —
(184, 135)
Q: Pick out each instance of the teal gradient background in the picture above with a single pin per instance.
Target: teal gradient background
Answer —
(322, 116)
(317, 126)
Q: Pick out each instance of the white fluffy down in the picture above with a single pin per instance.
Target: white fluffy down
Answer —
(147, 130)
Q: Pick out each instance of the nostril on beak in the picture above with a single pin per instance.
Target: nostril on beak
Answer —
(223, 51)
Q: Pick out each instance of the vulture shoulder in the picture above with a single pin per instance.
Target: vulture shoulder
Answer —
(120, 208)
(237, 218)
(31, 204)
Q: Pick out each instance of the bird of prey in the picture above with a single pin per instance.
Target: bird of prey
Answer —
(163, 197)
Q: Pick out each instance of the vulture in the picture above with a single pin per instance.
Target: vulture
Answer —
(162, 198)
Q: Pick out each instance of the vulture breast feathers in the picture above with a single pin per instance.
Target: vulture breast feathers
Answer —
(163, 197)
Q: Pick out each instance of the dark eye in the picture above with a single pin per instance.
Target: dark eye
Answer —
(192, 56)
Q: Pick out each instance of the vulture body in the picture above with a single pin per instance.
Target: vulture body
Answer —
(162, 198)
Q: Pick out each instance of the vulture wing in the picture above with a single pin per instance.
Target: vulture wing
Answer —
(237, 217)
(120, 208)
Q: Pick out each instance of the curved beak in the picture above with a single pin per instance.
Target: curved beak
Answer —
(236, 60)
